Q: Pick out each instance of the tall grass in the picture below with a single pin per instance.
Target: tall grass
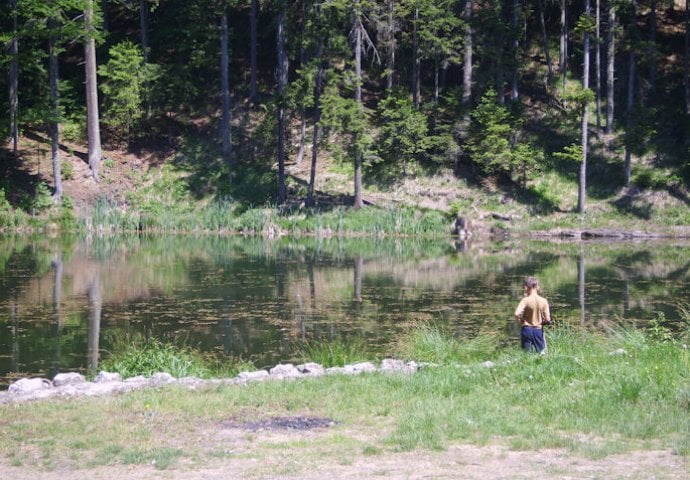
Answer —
(335, 353)
(145, 357)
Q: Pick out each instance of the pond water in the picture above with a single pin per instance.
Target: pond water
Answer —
(66, 303)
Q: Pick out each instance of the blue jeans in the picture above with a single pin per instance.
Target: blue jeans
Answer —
(532, 339)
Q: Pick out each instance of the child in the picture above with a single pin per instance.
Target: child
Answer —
(532, 313)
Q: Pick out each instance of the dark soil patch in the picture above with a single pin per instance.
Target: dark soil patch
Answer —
(281, 423)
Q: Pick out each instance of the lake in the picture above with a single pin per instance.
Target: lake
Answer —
(66, 303)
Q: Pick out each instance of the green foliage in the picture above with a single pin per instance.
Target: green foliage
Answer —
(494, 145)
(137, 356)
(124, 87)
(654, 178)
(403, 133)
(436, 344)
(335, 353)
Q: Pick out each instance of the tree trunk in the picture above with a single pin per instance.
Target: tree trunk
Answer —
(54, 116)
(282, 83)
(597, 66)
(14, 80)
(544, 41)
(436, 80)
(500, 72)
(467, 59)
(358, 98)
(581, 194)
(317, 118)
(515, 47)
(631, 97)
(302, 108)
(416, 80)
(226, 133)
(92, 118)
(686, 59)
(144, 27)
(391, 45)
(610, 67)
(652, 48)
(252, 50)
(563, 51)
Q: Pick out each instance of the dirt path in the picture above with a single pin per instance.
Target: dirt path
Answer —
(458, 462)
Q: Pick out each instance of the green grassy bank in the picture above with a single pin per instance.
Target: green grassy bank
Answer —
(593, 394)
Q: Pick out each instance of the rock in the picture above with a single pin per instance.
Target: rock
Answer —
(253, 376)
(29, 385)
(106, 377)
(69, 378)
(162, 378)
(286, 370)
(488, 364)
(361, 367)
(393, 365)
(311, 369)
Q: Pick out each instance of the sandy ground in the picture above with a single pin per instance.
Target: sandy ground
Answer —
(458, 462)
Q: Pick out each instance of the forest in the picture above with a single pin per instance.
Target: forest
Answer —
(505, 93)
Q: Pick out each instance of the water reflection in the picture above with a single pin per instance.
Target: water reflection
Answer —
(65, 305)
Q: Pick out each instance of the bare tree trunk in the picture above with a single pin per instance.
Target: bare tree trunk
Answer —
(416, 76)
(92, 118)
(467, 58)
(391, 45)
(544, 40)
(436, 80)
(144, 27)
(563, 51)
(302, 109)
(515, 47)
(500, 72)
(652, 47)
(597, 66)
(55, 115)
(226, 133)
(14, 80)
(317, 118)
(686, 59)
(581, 194)
(282, 83)
(358, 98)
(252, 49)
(631, 98)
(146, 49)
(610, 67)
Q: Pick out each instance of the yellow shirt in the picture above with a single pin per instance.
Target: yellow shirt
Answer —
(532, 311)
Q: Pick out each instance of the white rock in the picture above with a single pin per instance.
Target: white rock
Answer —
(488, 364)
(253, 376)
(69, 378)
(393, 365)
(106, 377)
(162, 378)
(620, 351)
(29, 385)
(286, 370)
(361, 367)
(311, 368)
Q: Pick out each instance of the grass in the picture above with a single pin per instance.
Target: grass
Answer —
(593, 394)
(137, 356)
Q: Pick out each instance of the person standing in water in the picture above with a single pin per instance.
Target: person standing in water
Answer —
(532, 313)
